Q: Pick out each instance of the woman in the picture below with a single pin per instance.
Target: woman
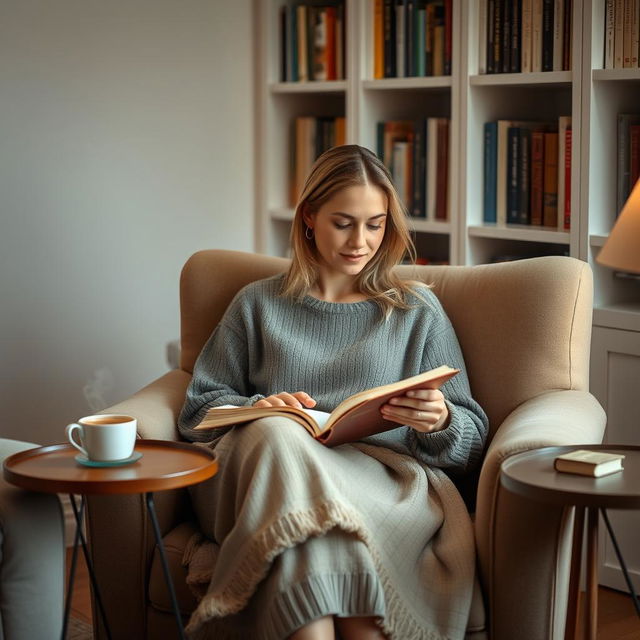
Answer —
(370, 539)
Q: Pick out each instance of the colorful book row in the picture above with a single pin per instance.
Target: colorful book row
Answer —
(523, 36)
(621, 34)
(312, 40)
(416, 152)
(411, 38)
(527, 173)
(311, 137)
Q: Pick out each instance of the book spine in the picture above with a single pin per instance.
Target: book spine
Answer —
(558, 34)
(524, 179)
(340, 42)
(482, 36)
(389, 39)
(303, 63)
(537, 176)
(409, 38)
(635, 33)
(506, 36)
(516, 37)
(448, 35)
(626, 37)
(609, 34)
(498, 12)
(421, 43)
(378, 39)
(438, 41)
(547, 35)
(550, 193)
(490, 162)
(618, 38)
(536, 36)
(564, 122)
(490, 28)
(400, 31)
(501, 172)
(513, 187)
(443, 170)
(419, 168)
(567, 40)
(567, 179)
(432, 166)
(330, 52)
(526, 29)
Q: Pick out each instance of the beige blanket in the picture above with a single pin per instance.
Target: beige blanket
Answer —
(278, 488)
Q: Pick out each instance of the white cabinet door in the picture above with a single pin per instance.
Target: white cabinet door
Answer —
(615, 381)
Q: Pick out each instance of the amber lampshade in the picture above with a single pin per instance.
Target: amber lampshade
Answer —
(621, 251)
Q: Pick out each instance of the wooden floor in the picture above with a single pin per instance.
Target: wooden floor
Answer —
(617, 619)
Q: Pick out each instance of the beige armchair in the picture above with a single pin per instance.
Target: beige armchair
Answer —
(524, 328)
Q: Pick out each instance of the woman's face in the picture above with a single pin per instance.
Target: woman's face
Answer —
(349, 229)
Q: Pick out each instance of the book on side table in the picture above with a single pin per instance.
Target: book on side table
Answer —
(589, 463)
(356, 417)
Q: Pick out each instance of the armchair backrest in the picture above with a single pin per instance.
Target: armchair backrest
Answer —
(524, 326)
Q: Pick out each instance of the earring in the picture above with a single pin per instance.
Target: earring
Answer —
(308, 233)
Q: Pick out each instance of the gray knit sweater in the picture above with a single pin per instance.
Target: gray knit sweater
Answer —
(268, 344)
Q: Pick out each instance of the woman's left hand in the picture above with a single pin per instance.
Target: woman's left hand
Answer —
(422, 409)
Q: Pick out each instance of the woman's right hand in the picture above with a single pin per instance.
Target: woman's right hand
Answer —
(299, 399)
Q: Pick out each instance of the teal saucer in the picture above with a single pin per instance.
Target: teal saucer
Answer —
(82, 459)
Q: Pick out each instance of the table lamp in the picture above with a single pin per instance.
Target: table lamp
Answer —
(621, 251)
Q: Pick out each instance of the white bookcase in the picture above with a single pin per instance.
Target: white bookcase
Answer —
(591, 95)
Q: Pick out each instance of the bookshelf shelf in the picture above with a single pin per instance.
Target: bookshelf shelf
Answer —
(597, 240)
(282, 214)
(520, 233)
(428, 226)
(332, 86)
(623, 315)
(436, 82)
(603, 75)
(550, 78)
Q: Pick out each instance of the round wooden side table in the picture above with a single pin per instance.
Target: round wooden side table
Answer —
(163, 465)
(532, 474)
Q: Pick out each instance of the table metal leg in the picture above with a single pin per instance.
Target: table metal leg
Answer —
(165, 564)
(79, 540)
(623, 566)
(79, 515)
(591, 605)
(574, 579)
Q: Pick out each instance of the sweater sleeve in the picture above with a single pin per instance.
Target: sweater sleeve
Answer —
(220, 376)
(459, 447)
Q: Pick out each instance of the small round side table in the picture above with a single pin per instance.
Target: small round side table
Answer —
(163, 465)
(532, 474)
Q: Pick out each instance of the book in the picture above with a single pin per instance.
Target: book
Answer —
(550, 188)
(356, 417)
(589, 463)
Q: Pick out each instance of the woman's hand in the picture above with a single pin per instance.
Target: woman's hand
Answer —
(423, 409)
(299, 399)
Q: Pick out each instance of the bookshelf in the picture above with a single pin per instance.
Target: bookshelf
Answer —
(590, 93)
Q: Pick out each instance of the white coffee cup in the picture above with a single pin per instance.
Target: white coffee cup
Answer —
(104, 438)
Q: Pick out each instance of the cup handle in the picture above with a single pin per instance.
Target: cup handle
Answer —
(70, 430)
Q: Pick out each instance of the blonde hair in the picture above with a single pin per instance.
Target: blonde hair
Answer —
(337, 169)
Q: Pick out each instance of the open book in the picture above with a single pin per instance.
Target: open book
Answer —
(353, 419)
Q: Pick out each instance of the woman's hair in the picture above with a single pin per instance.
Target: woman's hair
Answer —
(335, 170)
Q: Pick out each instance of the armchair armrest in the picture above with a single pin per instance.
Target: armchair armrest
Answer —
(120, 535)
(514, 535)
(157, 406)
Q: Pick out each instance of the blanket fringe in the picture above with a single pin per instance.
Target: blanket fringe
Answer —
(285, 533)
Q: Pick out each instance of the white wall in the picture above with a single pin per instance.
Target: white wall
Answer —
(126, 144)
